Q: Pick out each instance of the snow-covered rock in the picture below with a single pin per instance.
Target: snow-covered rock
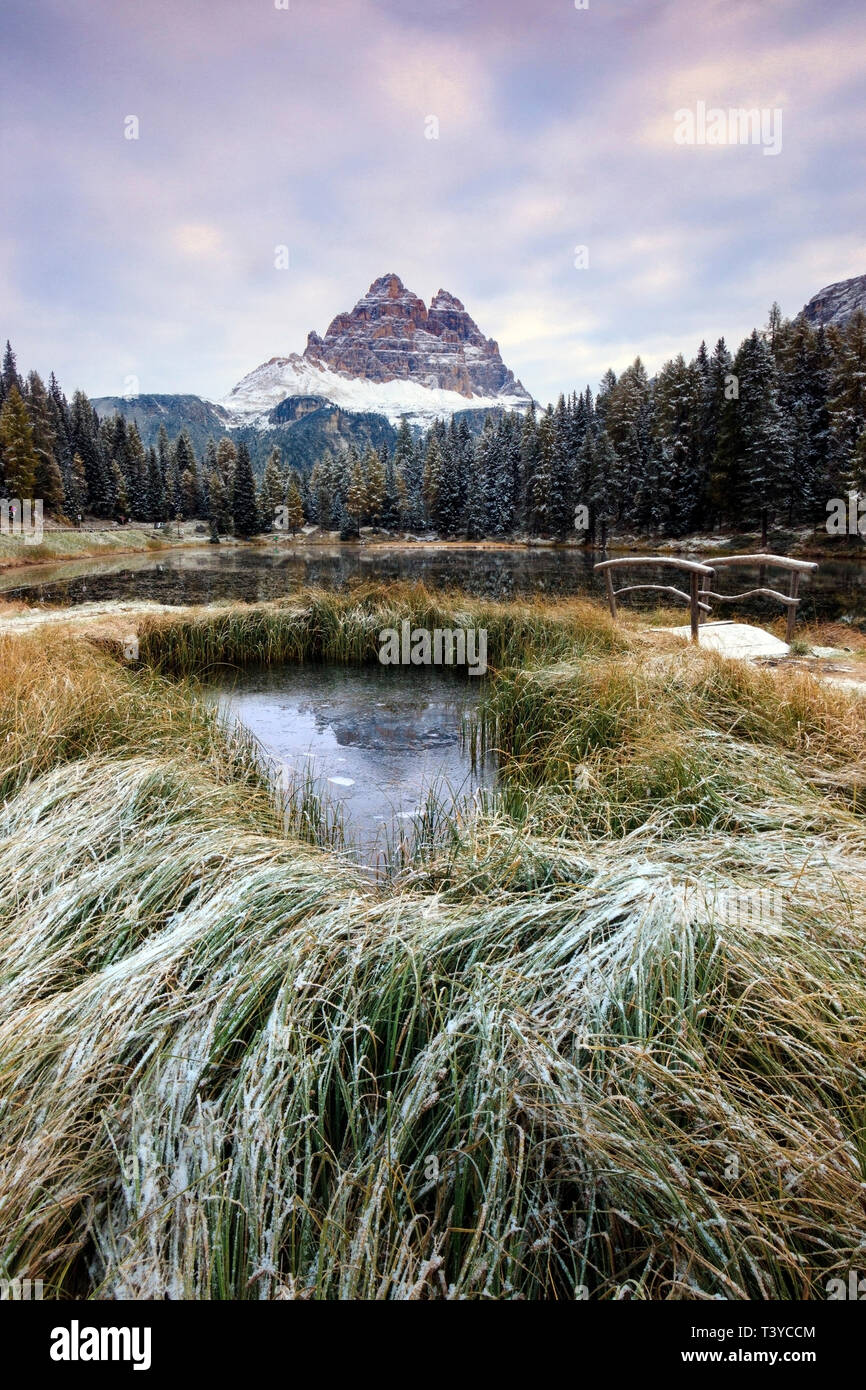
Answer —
(836, 303)
(390, 356)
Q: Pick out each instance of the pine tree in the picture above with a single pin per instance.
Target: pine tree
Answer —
(172, 486)
(495, 476)
(244, 508)
(163, 453)
(58, 410)
(542, 479)
(603, 397)
(409, 472)
(600, 464)
(273, 487)
(121, 496)
(476, 497)
(763, 430)
(512, 466)
(391, 504)
(190, 491)
(18, 458)
(803, 391)
(774, 325)
(76, 489)
(156, 508)
(374, 478)
(136, 473)
(356, 497)
(452, 482)
(294, 507)
(847, 404)
(219, 511)
(321, 494)
(562, 499)
(227, 456)
(186, 498)
(625, 404)
(674, 428)
(434, 469)
(48, 483)
(86, 442)
(719, 442)
(9, 378)
(528, 464)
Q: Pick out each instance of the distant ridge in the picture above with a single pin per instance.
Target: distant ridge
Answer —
(836, 303)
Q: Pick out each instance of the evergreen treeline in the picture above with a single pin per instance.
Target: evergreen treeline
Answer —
(768, 435)
(61, 452)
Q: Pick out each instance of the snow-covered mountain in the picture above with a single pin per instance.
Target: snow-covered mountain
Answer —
(390, 356)
(836, 303)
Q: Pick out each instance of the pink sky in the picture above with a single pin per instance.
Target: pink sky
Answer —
(307, 128)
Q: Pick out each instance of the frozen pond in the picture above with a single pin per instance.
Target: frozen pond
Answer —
(376, 743)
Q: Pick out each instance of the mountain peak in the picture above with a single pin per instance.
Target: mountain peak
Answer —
(444, 299)
(389, 355)
(391, 335)
(387, 286)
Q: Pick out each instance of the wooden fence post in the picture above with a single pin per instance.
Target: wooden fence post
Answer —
(792, 607)
(611, 596)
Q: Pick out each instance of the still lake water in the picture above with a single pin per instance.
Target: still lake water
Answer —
(211, 574)
(374, 742)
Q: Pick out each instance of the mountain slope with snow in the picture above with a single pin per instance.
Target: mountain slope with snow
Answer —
(836, 303)
(389, 356)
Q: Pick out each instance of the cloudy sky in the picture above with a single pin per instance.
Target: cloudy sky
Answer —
(308, 127)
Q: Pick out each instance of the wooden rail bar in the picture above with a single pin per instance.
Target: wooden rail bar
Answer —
(772, 561)
(664, 589)
(748, 593)
(687, 565)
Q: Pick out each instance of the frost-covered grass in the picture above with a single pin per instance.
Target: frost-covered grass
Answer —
(345, 627)
(542, 1059)
(72, 545)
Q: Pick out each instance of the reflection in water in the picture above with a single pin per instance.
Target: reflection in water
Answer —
(251, 574)
(374, 740)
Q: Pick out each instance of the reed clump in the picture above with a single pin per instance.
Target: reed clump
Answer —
(344, 627)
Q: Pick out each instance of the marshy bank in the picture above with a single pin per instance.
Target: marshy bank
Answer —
(59, 544)
(544, 1059)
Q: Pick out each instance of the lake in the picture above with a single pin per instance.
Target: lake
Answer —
(251, 574)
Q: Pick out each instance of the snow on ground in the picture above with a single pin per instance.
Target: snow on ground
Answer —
(741, 640)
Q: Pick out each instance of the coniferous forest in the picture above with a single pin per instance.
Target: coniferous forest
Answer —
(760, 437)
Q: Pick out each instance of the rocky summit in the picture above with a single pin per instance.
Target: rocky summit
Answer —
(836, 303)
(390, 334)
(390, 355)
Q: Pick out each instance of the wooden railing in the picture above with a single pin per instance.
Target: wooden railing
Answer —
(698, 571)
(780, 562)
(695, 571)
